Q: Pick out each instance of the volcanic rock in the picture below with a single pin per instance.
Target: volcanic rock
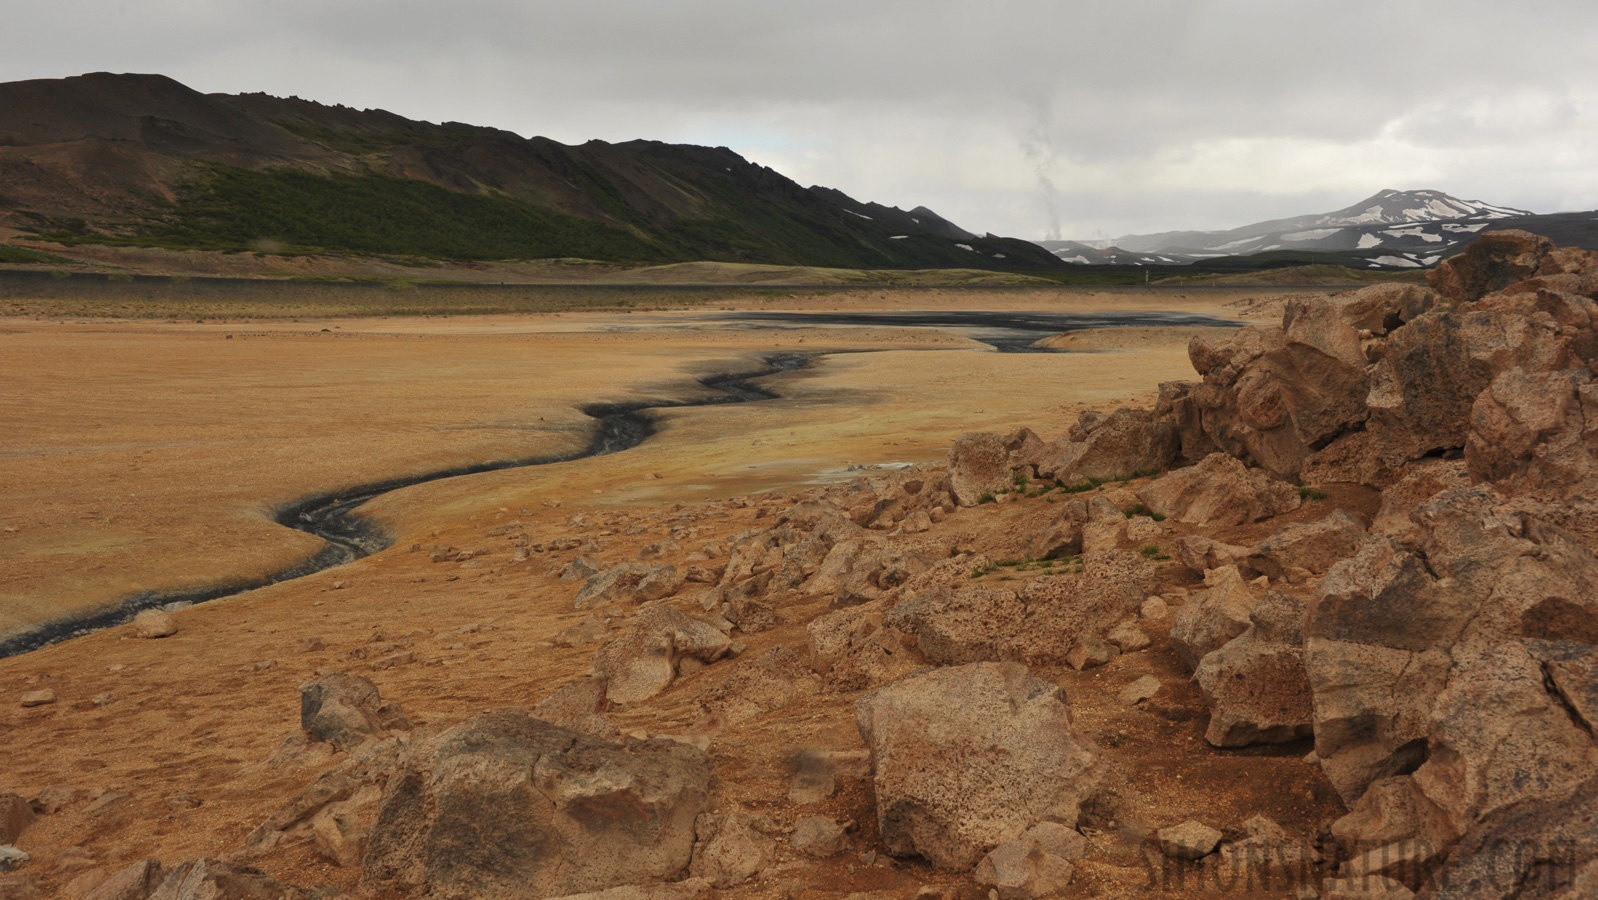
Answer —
(211, 879)
(154, 623)
(345, 710)
(1037, 864)
(644, 662)
(1255, 684)
(969, 757)
(16, 814)
(979, 463)
(1120, 444)
(505, 805)
(1312, 545)
(731, 849)
(1219, 491)
(1212, 618)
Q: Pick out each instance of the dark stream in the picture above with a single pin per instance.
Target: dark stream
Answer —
(335, 519)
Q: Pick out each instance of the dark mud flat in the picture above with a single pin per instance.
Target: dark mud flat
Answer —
(1007, 332)
(335, 517)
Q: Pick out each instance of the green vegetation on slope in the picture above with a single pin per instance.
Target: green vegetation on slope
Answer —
(18, 255)
(290, 210)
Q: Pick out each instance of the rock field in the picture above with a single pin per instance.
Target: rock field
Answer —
(1320, 622)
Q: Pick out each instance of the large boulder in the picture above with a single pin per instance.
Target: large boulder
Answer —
(1421, 481)
(1102, 447)
(1536, 434)
(133, 882)
(1538, 850)
(969, 757)
(508, 806)
(1211, 618)
(212, 879)
(1220, 490)
(979, 463)
(16, 814)
(1423, 389)
(628, 583)
(1491, 263)
(778, 678)
(731, 848)
(1423, 663)
(345, 710)
(1313, 546)
(1039, 625)
(644, 661)
(1176, 407)
(1272, 395)
(1255, 684)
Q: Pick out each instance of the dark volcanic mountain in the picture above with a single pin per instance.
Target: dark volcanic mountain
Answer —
(142, 159)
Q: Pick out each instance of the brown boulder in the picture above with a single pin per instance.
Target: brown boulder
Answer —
(1208, 620)
(644, 662)
(1061, 537)
(16, 814)
(211, 879)
(1220, 490)
(154, 623)
(1421, 481)
(1418, 661)
(1311, 545)
(979, 463)
(731, 848)
(345, 710)
(1037, 864)
(1201, 554)
(1423, 389)
(1255, 684)
(1536, 434)
(507, 806)
(1538, 850)
(1040, 625)
(1273, 394)
(1105, 447)
(1491, 263)
(579, 706)
(969, 757)
(135, 882)
(778, 678)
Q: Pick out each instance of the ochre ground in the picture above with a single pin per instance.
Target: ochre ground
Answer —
(141, 456)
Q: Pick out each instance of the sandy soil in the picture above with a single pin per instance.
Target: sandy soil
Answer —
(145, 456)
(149, 457)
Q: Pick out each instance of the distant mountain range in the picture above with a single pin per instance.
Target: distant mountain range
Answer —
(1391, 229)
(144, 160)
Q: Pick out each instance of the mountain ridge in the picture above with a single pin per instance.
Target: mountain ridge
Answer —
(145, 160)
(1389, 229)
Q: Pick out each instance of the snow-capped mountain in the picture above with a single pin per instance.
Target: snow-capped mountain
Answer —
(1394, 229)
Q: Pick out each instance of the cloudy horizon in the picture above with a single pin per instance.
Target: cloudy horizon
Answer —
(1027, 119)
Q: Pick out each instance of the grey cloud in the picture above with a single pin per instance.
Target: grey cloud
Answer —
(995, 110)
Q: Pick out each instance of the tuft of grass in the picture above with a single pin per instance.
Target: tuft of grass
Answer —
(1136, 509)
(1308, 493)
(1157, 516)
(985, 498)
(1081, 486)
(1153, 552)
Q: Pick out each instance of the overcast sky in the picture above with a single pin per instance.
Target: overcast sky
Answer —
(1029, 119)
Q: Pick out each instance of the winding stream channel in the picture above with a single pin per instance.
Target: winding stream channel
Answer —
(335, 517)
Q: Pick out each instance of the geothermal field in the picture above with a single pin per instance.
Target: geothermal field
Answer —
(902, 593)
